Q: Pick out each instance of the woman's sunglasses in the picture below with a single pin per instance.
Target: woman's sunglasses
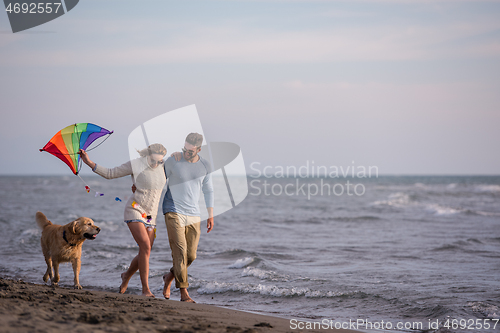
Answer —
(154, 162)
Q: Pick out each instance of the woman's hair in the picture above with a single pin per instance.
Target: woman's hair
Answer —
(155, 148)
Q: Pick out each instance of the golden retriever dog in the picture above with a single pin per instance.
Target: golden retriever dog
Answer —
(63, 243)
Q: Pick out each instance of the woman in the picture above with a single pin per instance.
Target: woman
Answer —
(140, 211)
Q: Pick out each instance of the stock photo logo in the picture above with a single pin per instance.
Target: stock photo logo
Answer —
(26, 14)
(225, 158)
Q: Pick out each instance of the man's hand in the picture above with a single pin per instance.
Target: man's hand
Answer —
(133, 188)
(176, 155)
(210, 224)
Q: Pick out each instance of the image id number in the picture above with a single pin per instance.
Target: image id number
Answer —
(33, 8)
(471, 324)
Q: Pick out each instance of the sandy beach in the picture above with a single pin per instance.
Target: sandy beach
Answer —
(27, 307)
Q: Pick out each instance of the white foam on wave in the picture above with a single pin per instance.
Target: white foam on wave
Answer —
(441, 210)
(487, 213)
(266, 290)
(398, 199)
(30, 236)
(401, 200)
(31, 232)
(101, 254)
(256, 272)
(241, 263)
(263, 275)
(487, 310)
(487, 188)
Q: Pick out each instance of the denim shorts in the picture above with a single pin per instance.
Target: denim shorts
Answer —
(146, 224)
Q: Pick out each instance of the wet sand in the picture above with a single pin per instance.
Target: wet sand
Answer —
(27, 307)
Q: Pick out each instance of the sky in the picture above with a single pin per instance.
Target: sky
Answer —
(411, 87)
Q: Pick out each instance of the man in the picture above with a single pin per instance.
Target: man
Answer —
(187, 178)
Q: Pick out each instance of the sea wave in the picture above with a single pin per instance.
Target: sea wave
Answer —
(398, 199)
(107, 225)
(442, 210)
(487, 213)
(487, 188)
(404, 200)
(233, 252)
(241, 263)
(485, 309)
(34, 232)
(29, 238)
(355, 218)
(470, 245)
(264, 275)
(101, 255)
(431, 311)
(267, 290)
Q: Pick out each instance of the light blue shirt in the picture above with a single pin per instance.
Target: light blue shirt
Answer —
(186, 181)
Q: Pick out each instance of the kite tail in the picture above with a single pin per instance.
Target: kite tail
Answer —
(87, 187)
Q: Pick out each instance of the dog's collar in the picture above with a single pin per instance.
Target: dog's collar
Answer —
(64, 237)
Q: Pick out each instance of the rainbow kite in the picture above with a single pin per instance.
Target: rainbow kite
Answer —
(68, 141)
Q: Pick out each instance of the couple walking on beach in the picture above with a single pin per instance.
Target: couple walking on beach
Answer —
(188, 175)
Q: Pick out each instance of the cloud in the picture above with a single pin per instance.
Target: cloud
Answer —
(372, 34)
(233, 45)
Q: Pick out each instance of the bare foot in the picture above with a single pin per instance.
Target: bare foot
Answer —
(188, 300)
(167, 279)
(185, 296)
(148, 294)
(124, 285)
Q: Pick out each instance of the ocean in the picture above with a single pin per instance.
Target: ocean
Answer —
(404, 250)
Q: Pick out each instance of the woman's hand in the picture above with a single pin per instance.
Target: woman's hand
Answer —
(85, 158)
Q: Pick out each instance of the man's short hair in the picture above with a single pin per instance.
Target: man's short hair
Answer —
(195, 139)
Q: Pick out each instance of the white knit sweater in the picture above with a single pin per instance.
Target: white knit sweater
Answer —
(149, 183)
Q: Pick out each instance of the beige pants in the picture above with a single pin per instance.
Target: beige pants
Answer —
(183, 236)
